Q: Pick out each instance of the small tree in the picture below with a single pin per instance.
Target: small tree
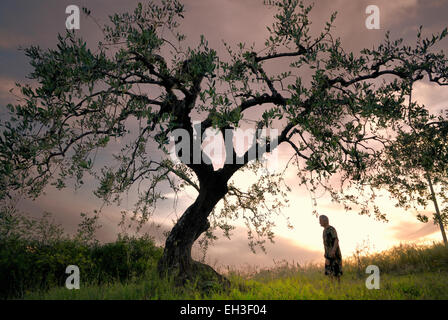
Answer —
(416, 161)
(329, 108)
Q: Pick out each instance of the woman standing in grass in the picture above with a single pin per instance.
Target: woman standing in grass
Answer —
(333, 257)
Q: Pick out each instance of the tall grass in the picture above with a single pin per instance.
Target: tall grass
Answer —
(31, 265)
(405, 259)
(406, 271)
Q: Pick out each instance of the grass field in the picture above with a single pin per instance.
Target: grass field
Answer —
(406, 272)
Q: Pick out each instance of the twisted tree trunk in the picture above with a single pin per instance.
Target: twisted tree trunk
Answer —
(176, 259)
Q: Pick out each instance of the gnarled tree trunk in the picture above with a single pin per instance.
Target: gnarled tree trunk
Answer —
(176, 259)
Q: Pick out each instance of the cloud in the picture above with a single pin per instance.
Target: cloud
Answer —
(10, 40)
(6, 84)
(433, 96)
(236, 252)
(410, 231)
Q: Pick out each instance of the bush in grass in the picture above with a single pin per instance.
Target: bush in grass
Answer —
(125, 258)
(34, 255)
(27, 265)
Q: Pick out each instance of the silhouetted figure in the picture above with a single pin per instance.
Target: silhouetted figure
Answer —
(333, 257)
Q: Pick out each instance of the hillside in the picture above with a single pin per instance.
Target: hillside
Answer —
(406, 272)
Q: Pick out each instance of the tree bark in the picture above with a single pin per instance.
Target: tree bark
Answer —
(436, 206)
(176, 260)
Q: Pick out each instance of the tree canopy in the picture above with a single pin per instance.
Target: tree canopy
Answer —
(414, 163)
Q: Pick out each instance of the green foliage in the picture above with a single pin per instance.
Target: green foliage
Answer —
(126, 258)
(15, 225)
(27, 265)
(414, 165)
(87, 228)
(34, 254)
(405, 271)
(407, 259)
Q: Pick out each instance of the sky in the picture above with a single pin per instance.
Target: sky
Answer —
(25, 23)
